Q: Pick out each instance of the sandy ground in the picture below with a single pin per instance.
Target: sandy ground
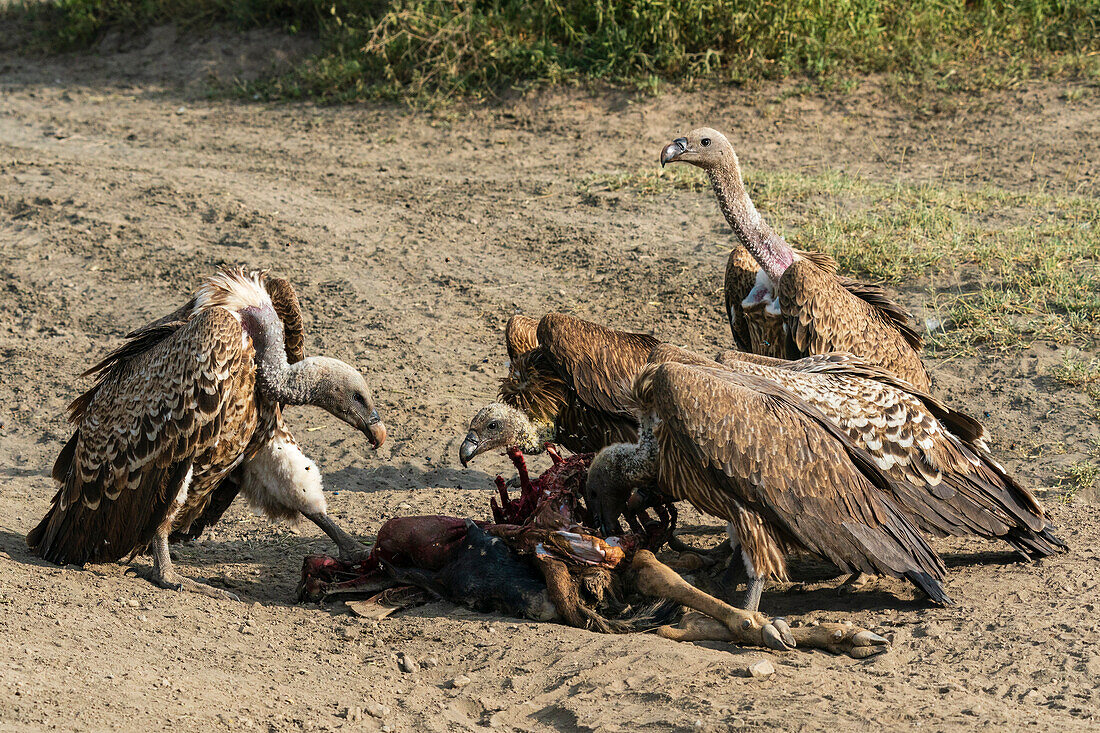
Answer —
(411, 238)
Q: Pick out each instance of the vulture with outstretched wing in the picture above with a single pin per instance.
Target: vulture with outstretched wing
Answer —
(743, 449)
(943, 473)
(186, 402)
(789, 303)
(569, 386)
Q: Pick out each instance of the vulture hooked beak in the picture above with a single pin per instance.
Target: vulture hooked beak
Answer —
(375, 430)
(673, 151)
(469, 448)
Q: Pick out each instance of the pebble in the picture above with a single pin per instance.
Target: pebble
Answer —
(430, 662)
(133, 603)
(459, 682)
(353, 714)
(761, 669)
(377, 710)
(407, 662)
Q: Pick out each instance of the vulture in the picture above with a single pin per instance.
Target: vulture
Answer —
(941, 469)
(741, 448)
(942, 472)
(790, 303)
(186, 413)
(567, 383)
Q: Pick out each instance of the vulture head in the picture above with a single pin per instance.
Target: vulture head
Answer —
(497, 426)
(341, 390)
(705, 148)
(606, 490)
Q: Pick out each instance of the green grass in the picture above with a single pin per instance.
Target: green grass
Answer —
(437, 48)
(1081, 375)
(1002, 269)
(1079, 477)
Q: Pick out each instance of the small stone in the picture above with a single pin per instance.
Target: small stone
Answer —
(430, 662)
(353, 714)
(376, 710)
(407, 662)
(761, 669)
(133, 603)
(459, 682)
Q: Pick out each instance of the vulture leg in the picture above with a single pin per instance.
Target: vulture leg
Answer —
(835, 638)
(656, 579)
(165, 575)
(751, 601)
(352, 551)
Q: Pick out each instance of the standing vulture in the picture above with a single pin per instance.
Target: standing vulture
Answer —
(567, 383)
(186, 402)
(942, 471)
(743, 449)
(788, 303)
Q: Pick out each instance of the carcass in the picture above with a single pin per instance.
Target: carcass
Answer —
(539, 559)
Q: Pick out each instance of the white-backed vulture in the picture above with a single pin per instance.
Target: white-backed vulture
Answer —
(567, 381)
(185, 402)
(789, 303)
(943, 473)
(741, 448)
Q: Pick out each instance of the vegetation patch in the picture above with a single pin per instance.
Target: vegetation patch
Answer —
(1021, 266)
(438, 48)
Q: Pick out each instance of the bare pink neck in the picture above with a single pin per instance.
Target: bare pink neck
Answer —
(770, 250)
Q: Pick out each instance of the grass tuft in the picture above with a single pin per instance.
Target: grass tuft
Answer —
(438, 48)
(1081, 476)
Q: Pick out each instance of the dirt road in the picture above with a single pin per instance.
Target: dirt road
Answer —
(411, 238)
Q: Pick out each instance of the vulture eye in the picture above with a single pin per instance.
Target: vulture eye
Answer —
(494, 425)
(360, 399)
(706, 142)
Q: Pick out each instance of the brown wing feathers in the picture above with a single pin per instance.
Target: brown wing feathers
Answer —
(578, 375)
(786, 462)
(520, 335)
(289, 311)
(151, 418)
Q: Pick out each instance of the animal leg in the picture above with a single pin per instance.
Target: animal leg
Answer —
(352, 551)
(521, 468)
(857, 582)
(751, 602)
(835, 638)
(165, 575)
(656, 579)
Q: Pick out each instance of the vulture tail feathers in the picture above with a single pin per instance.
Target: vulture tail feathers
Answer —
(77, 534)
(930, 586)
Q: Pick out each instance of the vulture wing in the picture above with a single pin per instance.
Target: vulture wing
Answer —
(520, 335)
(729, 440)
(822, 316)
(597, 362)
(139, 430)
(943, 471)
(289, 311)
(740, 279)
(876, 297)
